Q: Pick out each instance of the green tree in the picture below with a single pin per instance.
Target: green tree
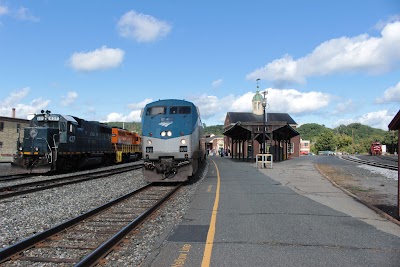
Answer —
(326, 141)
(310, 131)
(344, 143)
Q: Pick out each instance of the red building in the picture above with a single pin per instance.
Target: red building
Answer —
(244, 133)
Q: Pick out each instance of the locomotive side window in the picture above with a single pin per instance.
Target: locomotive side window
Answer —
(180, 110)
(185, 110)
(71, 128)
(156, 110)
(63, 126)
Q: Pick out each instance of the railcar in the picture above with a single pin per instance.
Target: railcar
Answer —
(173, 140)
(375, 149)
(62, 142)
(127, 145)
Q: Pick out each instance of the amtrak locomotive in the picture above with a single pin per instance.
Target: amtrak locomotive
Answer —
(173, 140)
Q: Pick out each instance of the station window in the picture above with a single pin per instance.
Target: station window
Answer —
(18, 127)
(1, 144)
(1, 126)
(290, 148)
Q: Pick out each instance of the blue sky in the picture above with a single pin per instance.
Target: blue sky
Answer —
(325, 62)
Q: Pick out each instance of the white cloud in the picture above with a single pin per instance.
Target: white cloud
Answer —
(217, 83)
(213, 109)
(140, 105)
(141, 27)
(295, 102)
(382, 23)
(132, 116)
(361, 53)
(392, 94)
(99, 59)
(289, 101)
(345, 106)
(22, 110)
(15, 97)
(69, 99)
(378, 119)
(23, 13)
(3, 10)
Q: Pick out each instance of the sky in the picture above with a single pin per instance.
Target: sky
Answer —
(326, 62)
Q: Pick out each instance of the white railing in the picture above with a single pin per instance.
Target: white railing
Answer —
(263, 160)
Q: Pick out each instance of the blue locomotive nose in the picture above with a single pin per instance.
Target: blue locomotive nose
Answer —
(37, 140)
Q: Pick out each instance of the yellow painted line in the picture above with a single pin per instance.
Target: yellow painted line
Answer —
(211, 230)
(209, 188)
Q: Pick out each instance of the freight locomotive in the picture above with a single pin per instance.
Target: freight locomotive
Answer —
(375, 149)
(173, 140)
(63, 142)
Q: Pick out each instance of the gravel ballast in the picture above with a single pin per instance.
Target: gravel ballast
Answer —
(24, 216)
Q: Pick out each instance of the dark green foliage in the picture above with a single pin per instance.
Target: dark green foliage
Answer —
(326, 141)
(131, 126)
(310, 131)
(352, 138)
(137, 127)
(214, 129)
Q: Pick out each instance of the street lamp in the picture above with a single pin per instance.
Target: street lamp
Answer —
(264, 104)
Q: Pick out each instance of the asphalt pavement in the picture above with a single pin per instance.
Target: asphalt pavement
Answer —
(286, 216)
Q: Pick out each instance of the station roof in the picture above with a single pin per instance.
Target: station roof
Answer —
(395, 123)
(239, 120)
(251, 117)
(284, 133)
(238, 131)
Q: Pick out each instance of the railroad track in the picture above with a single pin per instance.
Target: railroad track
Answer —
(389, 158)
(371, 163)
(25, 188)
(88, 238)
(13, 177)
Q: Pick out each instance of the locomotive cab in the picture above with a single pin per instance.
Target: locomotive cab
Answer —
(172, 137)
(38, 150)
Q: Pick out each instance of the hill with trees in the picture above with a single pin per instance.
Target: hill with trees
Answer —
(353, 138)
(131, 126)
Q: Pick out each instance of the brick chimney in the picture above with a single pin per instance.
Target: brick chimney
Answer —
(13, 113)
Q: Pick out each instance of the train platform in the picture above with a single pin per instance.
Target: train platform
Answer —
(286, 216)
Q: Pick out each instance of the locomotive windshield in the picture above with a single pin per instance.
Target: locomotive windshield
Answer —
(51, 121)
(155, 110)
(180, 110)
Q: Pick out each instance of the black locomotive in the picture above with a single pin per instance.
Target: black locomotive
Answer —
(63, 142)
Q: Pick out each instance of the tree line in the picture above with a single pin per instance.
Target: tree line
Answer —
(352, 138)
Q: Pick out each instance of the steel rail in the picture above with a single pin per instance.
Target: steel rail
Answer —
(372, 163)
(102, 251)
(7, 253)
(56, 182)
(10, 177)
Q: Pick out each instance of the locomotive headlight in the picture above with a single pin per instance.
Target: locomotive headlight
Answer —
(36, 149)
(163, 133)
(169, 133)
(183, 141)
(20, 148)
(149, 142)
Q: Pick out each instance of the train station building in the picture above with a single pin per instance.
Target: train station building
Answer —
(244, 133)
